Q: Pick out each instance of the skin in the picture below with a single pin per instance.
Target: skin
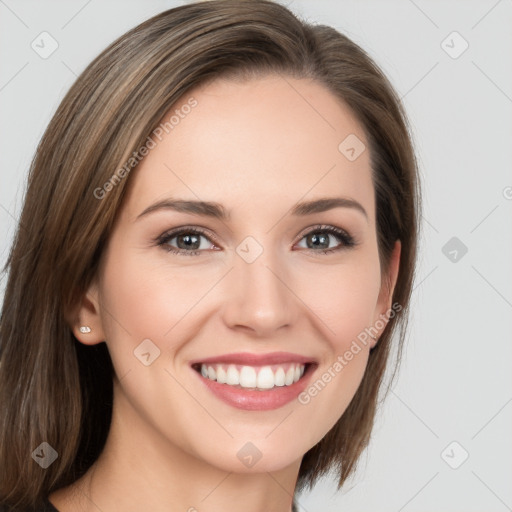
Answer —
(257, 147)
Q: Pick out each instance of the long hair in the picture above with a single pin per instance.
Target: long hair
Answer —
(53, 388)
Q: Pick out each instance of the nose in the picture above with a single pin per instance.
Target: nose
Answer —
(259, 297)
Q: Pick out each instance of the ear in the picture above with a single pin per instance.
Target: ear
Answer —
(88, 314)
(387, 288)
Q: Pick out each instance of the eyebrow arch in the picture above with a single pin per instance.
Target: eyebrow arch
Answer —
(217, 211)
(205, 208)
(327, 203)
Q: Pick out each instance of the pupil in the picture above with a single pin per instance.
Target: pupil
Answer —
(320, 240)
(189, 244)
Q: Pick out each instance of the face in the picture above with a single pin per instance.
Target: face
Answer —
(291, 287)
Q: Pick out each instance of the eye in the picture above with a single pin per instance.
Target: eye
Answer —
(319, 238)
(188, 241)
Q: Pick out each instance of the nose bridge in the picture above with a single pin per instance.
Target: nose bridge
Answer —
(258, 297)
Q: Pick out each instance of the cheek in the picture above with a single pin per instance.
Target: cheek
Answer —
(342, 297)
(129, 289)
(129, 298)
(148, 298)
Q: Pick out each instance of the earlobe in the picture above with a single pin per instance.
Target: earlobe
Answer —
(86, 323)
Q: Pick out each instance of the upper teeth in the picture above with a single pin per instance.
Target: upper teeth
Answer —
(264, 377)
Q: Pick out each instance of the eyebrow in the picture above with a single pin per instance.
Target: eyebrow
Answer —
(217, 211)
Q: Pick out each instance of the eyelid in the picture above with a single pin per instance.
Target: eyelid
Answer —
(188, 228)
(322, 227)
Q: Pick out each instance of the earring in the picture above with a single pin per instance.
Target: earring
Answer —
(85, 329)
(373, 337)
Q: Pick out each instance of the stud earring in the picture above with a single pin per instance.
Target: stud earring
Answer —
(85, 329)
(373, 337)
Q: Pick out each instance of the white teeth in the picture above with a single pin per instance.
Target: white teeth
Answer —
(221, 375)
(232, 377)
(290, 374)
(248, 377)
(279, 377)
(265, 377)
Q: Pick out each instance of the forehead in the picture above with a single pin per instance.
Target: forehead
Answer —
(270, 140)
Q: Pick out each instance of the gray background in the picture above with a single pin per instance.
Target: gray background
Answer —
(455, 382)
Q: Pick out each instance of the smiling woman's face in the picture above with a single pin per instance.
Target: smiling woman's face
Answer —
(257, 281)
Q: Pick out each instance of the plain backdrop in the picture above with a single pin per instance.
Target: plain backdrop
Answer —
(442, 441)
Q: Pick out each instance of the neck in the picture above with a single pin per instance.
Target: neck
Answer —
(139, 469)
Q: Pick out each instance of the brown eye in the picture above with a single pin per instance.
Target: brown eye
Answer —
(187, 241)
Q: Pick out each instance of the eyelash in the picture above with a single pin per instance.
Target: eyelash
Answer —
(347, 240)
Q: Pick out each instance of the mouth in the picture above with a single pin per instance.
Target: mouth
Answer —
(255, 377)
(255, 382)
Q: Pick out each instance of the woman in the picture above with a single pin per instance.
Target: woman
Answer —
(217, 244)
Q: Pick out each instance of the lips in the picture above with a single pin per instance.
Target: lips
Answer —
(255, 381)
(259, 370)
(249, 359)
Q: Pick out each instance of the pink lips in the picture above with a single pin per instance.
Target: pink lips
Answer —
(246, 358)
(257, 400)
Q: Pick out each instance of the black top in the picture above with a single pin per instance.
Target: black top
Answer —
(47, 507)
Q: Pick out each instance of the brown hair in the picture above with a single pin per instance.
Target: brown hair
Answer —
(55, 389)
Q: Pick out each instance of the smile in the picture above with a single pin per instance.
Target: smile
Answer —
(255, 381)
(253, 377)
